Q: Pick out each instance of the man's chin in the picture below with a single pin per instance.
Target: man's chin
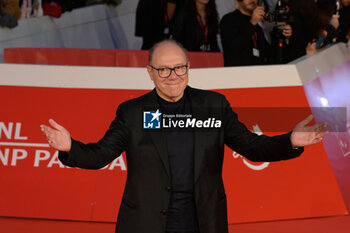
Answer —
(176, 95)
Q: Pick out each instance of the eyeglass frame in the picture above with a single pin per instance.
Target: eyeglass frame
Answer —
(171, 70)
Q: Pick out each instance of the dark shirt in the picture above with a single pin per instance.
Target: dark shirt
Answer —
(344, 23)
(180, 143)
(191, 33)
(150, 21)
(303, 33)
(238, 37)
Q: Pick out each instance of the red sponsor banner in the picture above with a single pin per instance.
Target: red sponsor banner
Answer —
(37, 185)
(100, 57)
(296, 188)
(55, 56)
(34, 184)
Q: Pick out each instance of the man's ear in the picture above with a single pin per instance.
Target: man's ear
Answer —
(188, 64)
(150, 72)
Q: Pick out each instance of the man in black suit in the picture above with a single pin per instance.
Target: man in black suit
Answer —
(174, 181)
(243, 37)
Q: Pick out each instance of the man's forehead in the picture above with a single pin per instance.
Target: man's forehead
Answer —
(169, 52)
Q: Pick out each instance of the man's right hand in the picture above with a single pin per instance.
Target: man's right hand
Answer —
(57, 136)
(258, 15)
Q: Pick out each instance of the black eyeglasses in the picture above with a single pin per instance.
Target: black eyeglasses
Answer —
(165, 72)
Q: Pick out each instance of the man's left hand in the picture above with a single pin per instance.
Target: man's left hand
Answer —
(304, 135)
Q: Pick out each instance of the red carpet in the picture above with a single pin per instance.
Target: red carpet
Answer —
(338, 224)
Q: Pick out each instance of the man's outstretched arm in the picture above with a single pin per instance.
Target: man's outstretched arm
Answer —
(92, 155)
(262, 148)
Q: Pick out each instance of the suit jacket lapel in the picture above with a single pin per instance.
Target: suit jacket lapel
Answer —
(157, 134)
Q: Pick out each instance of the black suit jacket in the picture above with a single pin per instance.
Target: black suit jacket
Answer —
(147, 191)
(237, 34)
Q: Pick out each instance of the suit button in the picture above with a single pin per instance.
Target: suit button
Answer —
(168, 188)
(164, 212)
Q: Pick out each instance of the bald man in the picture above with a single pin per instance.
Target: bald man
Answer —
(174, 181)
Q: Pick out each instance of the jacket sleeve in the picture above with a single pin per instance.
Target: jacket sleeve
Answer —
(214, 44)
(97, 155)
(233, 40)
(297, 42)
(257, 148)
(179, 26)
